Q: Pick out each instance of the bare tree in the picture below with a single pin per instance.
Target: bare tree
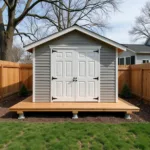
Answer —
(17, 10)
(16, 53)
(26, 58)
(141, 29)
(94, 17)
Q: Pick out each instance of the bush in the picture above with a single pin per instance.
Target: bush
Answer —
(23, 91)
(126, 93)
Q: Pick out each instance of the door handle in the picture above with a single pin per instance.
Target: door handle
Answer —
(74, 79)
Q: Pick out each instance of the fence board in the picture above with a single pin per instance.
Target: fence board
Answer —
(12, 75)
(138, 79)
(123, 76)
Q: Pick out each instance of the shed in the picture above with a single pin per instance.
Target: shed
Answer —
(75, 65)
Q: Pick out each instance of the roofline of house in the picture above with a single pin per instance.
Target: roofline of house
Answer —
(143, 53)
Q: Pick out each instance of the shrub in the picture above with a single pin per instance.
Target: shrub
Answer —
(125, 92)
(23, 91)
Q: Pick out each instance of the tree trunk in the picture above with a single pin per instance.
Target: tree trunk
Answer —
(2, 37)
(10, 32)
(9, 42)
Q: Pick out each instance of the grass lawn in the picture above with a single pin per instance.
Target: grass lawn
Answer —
(74, 136)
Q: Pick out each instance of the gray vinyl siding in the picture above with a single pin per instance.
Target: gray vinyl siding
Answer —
(107, 74)
(75, 38)
(42, 75)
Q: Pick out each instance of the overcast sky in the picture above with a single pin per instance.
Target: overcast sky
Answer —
(121, 22)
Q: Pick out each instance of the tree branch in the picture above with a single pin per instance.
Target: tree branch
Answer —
(142, 24)
(23, 33)
(3, 7)
(14, 5)
(17, 20)
(6, 2)
(42, 17)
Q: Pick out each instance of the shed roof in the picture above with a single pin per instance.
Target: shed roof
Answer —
(138, 48)
(80, 29)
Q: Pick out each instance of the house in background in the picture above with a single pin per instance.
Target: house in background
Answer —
(135, 54)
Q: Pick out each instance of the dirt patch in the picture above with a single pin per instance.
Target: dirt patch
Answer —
(104, 117)
(144, 108)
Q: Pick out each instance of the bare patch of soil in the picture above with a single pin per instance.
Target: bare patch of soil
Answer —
(104, 117)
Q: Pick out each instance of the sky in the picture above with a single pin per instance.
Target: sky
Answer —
(122, 22)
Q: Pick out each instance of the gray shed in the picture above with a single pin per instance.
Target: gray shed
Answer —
(75, 65)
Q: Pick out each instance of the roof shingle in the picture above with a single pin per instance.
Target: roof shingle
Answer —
(138, 48)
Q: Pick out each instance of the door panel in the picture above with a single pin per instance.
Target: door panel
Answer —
(82, 88)
(59, 87)
(69, 67)
(59, 68)
(87, 69)
(62, 68)
(82, 68)
(80, 63)
(91, 88)
(91, 69)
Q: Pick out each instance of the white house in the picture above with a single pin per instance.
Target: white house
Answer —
(135, 54)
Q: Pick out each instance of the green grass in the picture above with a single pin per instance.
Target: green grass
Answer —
(74, 136)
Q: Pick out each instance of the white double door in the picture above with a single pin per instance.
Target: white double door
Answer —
(75, 74)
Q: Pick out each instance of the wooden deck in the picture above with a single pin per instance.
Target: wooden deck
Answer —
(28, 106)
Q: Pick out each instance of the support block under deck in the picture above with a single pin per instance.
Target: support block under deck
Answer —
(75, 115)
(128, 116)
(21, 116)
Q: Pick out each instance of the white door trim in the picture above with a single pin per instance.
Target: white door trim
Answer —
(116, 75)
(33, 82)
(99, 82)
(75, 47)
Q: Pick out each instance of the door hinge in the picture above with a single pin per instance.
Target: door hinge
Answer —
(53, 78)
(97, 51)
(97, 78)
(97, 98)
(53, 98)
(54, 51)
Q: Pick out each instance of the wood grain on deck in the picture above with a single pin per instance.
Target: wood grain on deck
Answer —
(28, 105)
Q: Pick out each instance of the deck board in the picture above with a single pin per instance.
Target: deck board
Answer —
(27, 105)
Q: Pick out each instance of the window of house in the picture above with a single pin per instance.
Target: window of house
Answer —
(127, 60)
(132, 60)
(121, 61)
(145, 61)
(118, 61)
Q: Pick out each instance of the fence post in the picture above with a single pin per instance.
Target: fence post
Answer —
(1, 82)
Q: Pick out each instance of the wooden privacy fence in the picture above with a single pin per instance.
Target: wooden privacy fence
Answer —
(12, 75)
(137, 77)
